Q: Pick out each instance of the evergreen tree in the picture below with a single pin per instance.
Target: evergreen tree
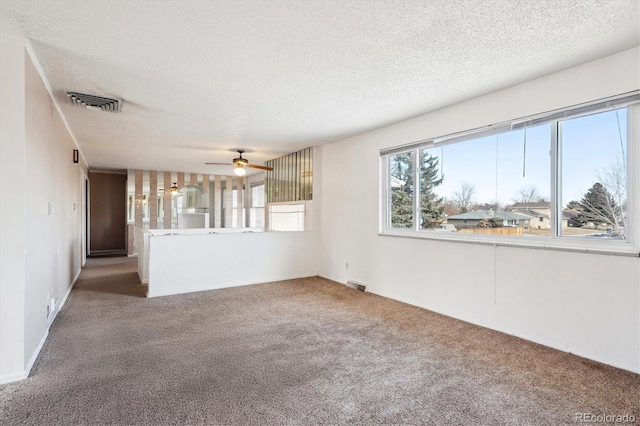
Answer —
(574, 205)
(431, 206)
(401, 209)
(598, 206)
(402, 191)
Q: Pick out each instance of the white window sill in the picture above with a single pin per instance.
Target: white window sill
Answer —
(615, 248)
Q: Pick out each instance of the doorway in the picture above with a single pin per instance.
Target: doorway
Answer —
(107, 230)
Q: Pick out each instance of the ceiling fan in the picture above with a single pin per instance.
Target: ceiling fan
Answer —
(240, 164)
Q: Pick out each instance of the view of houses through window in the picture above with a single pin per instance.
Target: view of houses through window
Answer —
(502, 183)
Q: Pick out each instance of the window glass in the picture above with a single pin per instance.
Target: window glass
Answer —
(501, 184)
(286, 217)
(231, 210)
(498, 184)
(401, 190)
(234, 211)
(594, 176)
(256, 211)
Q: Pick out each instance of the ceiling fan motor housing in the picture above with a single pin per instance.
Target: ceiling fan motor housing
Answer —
(240, 160)
(241, 163)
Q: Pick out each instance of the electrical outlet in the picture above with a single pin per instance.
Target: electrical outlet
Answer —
(346, 265)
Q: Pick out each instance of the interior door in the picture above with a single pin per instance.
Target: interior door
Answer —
(107, 217)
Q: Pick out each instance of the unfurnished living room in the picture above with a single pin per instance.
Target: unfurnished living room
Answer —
(320, 212)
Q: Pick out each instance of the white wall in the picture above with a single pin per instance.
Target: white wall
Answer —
(586, 304)
(12, 220)
(44, 246)
(186, 263)
(53, 241)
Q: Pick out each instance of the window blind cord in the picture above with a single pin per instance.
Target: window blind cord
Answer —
(441, 161)
(624, 164)
(524, 151)
(497, 143)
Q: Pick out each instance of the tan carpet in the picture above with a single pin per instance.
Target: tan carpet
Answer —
(306, 351)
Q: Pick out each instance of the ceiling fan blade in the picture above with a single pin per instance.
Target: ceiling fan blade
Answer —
(220, 164)
(253, 166)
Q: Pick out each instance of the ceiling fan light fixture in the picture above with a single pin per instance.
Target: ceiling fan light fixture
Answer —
(240, 164)
(239, 170)
(174, 188)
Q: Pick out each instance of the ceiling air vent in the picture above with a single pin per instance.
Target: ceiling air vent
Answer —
(95, 102)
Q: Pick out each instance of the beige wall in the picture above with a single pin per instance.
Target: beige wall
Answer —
(12, 220)
(44, 212)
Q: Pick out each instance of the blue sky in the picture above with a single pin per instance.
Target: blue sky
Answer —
(590, 144)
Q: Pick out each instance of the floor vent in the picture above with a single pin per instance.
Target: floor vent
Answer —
(356, 285)
(93, 102)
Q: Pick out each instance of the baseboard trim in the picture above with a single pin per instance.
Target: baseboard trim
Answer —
(36, 353)
(12, 377)
(66, 296)
(524, 336)
(21, 375)
(108, 253)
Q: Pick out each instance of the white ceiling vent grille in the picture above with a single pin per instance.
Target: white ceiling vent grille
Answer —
(93, 102)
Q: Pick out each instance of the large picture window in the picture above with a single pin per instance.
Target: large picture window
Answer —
(563, 175)
(495, 184)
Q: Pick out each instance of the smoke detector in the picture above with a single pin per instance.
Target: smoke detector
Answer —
(93, 102)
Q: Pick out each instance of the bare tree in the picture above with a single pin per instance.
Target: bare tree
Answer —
(463, 199)
(529, 194)
(606, 201)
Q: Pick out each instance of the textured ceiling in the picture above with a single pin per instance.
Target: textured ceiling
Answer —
(199, 79)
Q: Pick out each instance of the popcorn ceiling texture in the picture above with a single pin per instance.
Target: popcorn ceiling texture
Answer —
(308, 351)
(199, 79)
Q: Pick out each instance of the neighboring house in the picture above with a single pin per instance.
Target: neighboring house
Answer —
(537, 220)
(538, 212)
(472, 218)
(571, 216)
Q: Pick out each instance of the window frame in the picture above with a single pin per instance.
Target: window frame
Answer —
(555, 241)
(250, 202)
(268, 226)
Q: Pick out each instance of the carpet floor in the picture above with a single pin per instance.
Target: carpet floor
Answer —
(307, 351)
